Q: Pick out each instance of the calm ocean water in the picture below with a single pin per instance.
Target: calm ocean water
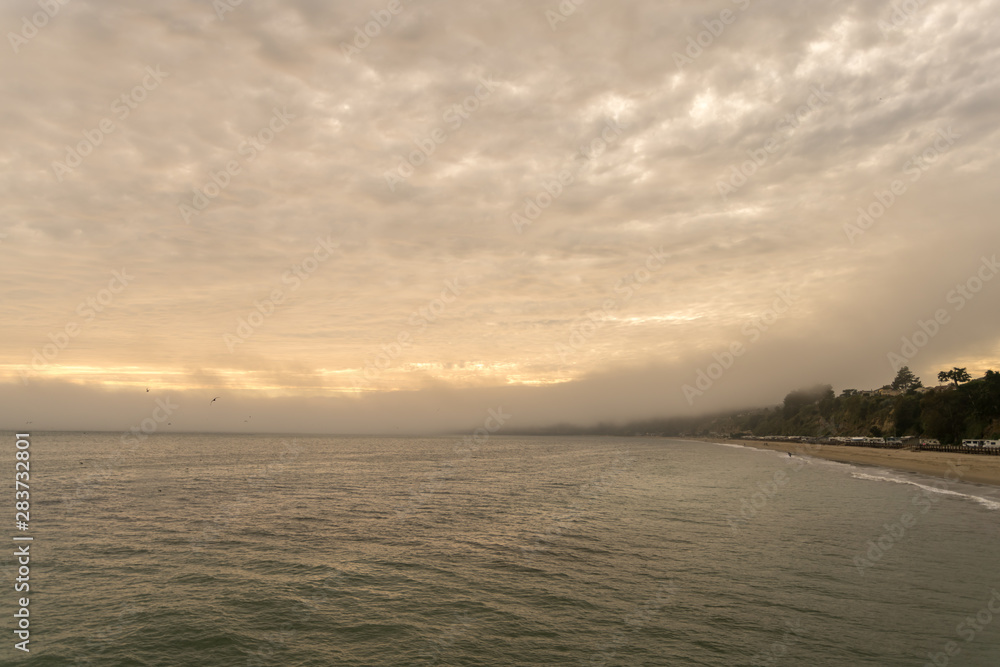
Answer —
(263, 550)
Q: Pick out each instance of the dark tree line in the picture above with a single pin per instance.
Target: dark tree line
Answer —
(965, 408)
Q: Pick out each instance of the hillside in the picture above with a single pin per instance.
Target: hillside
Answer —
(961, 409)
(949, 413)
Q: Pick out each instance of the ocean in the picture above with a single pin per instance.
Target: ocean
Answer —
(265, 550)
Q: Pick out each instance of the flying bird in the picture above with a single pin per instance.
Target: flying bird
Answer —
(147, 390)
(214, 400)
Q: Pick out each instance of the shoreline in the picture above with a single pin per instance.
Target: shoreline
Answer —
(972, 468)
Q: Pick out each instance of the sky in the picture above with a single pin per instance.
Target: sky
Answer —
(397, 215)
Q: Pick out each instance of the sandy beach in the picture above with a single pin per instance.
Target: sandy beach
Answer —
(970, 467)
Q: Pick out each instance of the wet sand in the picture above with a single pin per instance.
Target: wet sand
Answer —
(968, 467)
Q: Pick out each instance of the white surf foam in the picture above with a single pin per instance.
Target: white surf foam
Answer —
(988, 503)
(726, 444)
(773, 452)
(985, 502)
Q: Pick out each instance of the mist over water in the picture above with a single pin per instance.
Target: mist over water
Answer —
(262, 550)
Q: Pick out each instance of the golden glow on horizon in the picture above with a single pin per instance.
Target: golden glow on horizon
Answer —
(326, 382)
(320, 382)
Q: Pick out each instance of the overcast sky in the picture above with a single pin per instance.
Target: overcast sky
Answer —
(568, 214)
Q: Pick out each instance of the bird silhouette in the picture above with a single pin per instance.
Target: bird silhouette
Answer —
(214, 400)
(147, 390)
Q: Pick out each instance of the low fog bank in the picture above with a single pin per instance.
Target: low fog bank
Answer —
(712, 383)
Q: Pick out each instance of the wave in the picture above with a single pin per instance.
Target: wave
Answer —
(775, 452)
(985, 502)
(726, 444)
(988, 503)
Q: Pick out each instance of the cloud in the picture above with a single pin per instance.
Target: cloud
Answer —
(654, 184)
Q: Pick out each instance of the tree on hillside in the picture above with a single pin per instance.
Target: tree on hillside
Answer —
(944, 415)
(799, 399)
(906, 415)
(906, 380)
(991, 390)
(956, 375)
(827, 404)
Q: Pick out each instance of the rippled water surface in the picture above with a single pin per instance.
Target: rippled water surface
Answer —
(262, 550)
